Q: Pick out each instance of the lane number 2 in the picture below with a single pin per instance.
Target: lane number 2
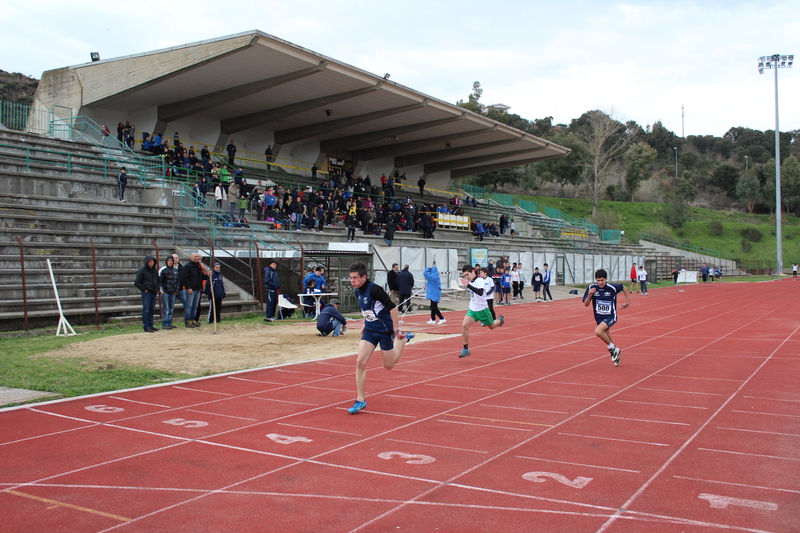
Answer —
(539, 477)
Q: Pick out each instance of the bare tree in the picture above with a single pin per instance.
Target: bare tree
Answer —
(604, 140)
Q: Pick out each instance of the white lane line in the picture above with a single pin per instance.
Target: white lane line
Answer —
(319, 429)
(302, 372)
(282, 401)
(89, 424)
(642, 420)
(256, 381)
(205, 391)
(555, 395)
(749, 454)
(737, 484)
(143, 403)
(326, 388)
(484, 425)
(682, 391)
(220, 414)
(663, 404)
(494, 377)
(524, 409)
(582, 384)
(764, 432)
(609, 438)
(423, 399)
(378, 413)
(771, 399)
(579, 464)
(457, 387)
(760, 413)
(436, 445)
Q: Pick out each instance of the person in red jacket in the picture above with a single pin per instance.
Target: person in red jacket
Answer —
(634, 277)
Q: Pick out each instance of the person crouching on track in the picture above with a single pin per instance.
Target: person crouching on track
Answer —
(478, 308)
(603, 296)
(330, 320)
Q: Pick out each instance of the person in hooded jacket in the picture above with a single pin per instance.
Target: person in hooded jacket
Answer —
(146, 280)
(215, 290)
(170, 286)
(271, 285)
(433, 292)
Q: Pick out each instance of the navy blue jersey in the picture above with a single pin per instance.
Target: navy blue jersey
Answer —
(375, 305)
(604, 301)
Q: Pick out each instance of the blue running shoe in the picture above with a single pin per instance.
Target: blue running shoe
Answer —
(501, 319)
(409, 335)
(357, 407)
(464, 353)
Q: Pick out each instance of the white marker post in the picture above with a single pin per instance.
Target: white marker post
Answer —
(63, 323)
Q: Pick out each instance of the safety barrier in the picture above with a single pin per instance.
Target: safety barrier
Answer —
(445, 220)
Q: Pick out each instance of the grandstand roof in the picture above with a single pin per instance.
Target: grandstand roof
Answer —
(255, 85)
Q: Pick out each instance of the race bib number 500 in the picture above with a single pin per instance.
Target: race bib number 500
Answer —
(602, 308)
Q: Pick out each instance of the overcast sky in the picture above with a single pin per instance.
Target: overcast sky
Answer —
(641, 59)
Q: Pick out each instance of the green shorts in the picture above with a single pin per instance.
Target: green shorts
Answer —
(484, 316)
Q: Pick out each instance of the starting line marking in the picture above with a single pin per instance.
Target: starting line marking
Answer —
(143, 403)
(682, 391)
(582, 384)
(205, 391)
(771, 399)
(642, 420)
(68, 505)
(220, 414)
(256, 381)
(737, 484)
(423, 399)
(610, 438)
(525, 409)
(482, 425)
(457, 387)
(765, 432)
(693, 377)
(436, 445)
(749, 454)
(555, 395)
(663, 404)
(283, 401)
(498, 420)
(579, 464)
(760, 413)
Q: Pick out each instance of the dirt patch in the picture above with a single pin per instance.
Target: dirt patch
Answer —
(234, 347)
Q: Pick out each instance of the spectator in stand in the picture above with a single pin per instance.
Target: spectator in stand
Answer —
(146, 281)
(314, 172)
(233, 199)
(479, 231)
(122, 182)
(231, 149)
(219, 195)
(351, 221)
(271, 286)
(330, 320)
(421, 185)
(388, 235)
(268, 156)
(120, 132)
(170, 286)
(242, 205)
(205, 155)
(215, 290)
(405, 280)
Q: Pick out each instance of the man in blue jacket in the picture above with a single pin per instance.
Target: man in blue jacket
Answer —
(331, 320)
(405, 280)
(271, 286)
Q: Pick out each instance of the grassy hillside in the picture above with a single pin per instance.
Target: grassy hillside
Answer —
(699, 230)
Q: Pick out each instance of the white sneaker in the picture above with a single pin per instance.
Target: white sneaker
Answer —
(442, 321)
(431, 322)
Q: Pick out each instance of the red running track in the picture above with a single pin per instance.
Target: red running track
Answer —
(698, 429)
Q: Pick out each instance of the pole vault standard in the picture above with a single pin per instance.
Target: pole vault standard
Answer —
(63, 323)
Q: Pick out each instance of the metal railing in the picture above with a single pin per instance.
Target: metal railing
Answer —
(24, 117)
(72, 163)
(85, 129)
(701, 250)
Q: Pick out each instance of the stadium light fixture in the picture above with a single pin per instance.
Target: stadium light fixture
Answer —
(95, 56)
(775, 62)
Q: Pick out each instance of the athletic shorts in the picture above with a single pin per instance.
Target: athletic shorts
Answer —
(506, 290)
(608, 320)
(537, 287)
(386, 340)
(484, 316)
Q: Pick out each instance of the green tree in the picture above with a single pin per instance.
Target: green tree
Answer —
(725, 177)
(473, 100)
(562, 170)
(790, 184)
(497, 178)
(638, 159)
(748, 189)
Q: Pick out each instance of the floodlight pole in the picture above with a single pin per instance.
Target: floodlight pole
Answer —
(775, 62)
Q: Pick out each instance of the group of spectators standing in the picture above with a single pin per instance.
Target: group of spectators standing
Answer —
(480, 230)
(185, 283)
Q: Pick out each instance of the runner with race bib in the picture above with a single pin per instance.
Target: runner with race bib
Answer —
(603, 298)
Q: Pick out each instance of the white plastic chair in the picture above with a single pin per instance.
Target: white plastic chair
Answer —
(458, 290)
(283, 303)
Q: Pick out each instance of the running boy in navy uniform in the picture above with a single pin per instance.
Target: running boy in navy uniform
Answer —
(380, 315)
(603, 296)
